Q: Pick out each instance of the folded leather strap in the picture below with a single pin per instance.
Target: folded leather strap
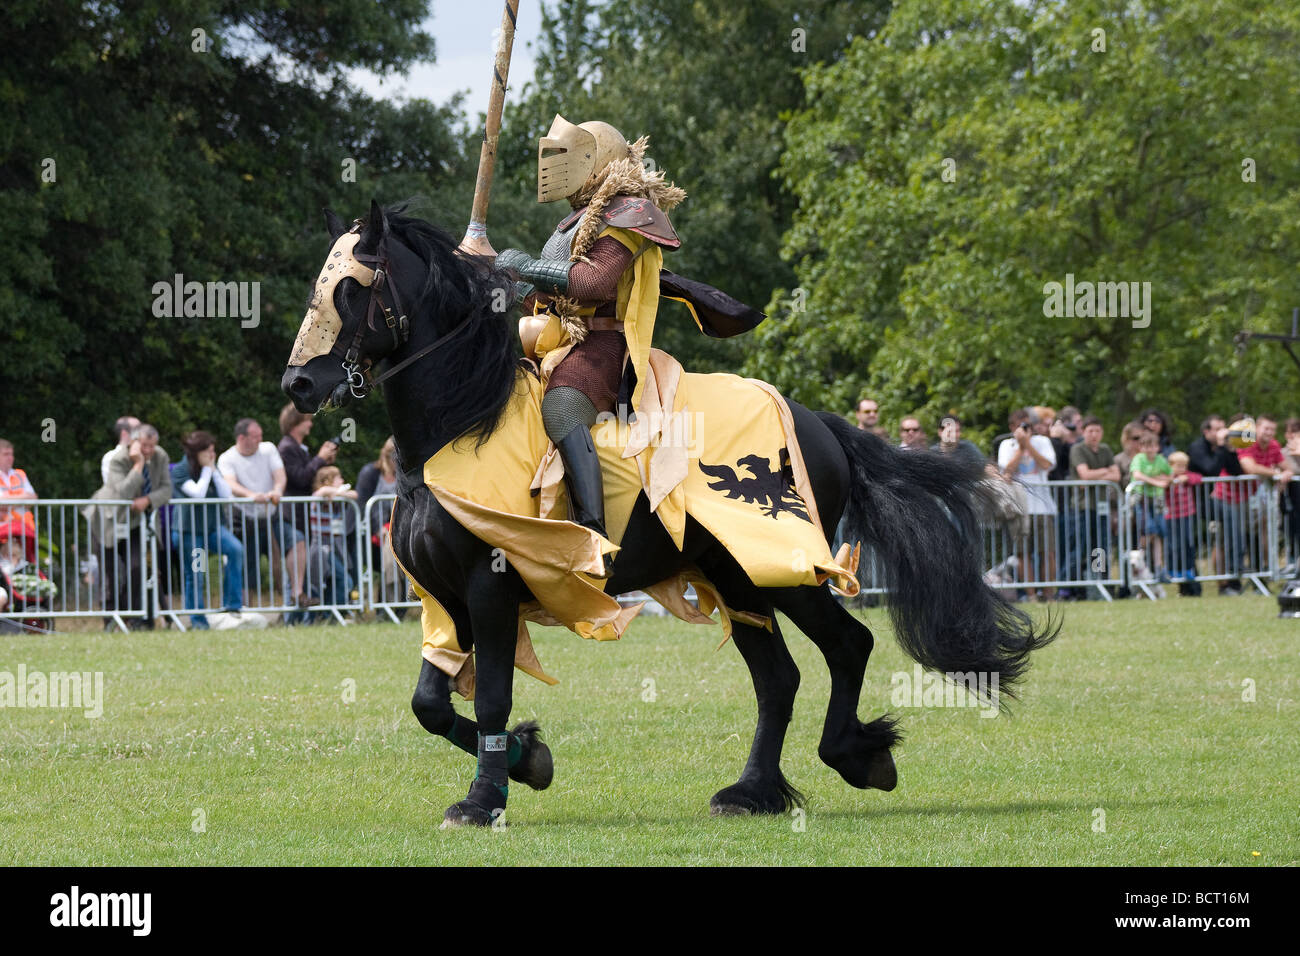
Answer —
(601, 323)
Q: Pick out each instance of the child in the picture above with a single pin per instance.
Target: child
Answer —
(1180, 514)
(1149, 476)
(327, 552)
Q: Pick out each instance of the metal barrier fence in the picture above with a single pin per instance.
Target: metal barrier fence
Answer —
(1226, 530)
(1091, 537)
(200, 558)
(386, 588)
(209, 552)
(74, 558)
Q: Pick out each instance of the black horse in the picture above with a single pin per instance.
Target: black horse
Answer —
(450, 376)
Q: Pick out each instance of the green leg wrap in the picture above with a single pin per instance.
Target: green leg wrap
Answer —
(493, 753)
(465, 735)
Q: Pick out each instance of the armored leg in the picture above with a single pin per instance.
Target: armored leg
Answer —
(568, 416)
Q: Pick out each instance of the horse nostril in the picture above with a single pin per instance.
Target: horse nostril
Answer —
(300, 385)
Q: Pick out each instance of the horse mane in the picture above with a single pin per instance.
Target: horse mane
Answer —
(477, 366)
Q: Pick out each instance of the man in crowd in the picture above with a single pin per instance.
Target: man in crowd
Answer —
(1027, 457)
(141, 472)
(254, 471)
(951, 443)
(1211, 457)
(1089, 528)
(913, 438)
(869, 417)
(122, 428)
(1266, 461)
(1063, 432)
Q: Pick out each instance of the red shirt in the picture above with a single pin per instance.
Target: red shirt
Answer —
(1235, 492)
(1180, 499)
(1269, 457)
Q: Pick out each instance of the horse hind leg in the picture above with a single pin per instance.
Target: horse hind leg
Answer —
(858, 752)
(762, 788)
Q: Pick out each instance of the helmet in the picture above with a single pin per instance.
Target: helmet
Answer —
(569, 157)
(1241, 434)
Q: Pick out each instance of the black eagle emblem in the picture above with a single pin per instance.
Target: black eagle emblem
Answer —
(772, 490)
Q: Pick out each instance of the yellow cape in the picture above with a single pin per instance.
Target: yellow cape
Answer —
(708, 445)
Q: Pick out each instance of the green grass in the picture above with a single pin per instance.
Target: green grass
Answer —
(1136, 710)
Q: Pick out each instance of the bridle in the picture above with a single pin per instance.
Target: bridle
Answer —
(358, 374)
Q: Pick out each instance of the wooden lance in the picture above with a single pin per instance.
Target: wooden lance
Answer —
(476, 241)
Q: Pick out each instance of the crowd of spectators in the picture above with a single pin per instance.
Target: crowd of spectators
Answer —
(1061, 528)
(310, 546)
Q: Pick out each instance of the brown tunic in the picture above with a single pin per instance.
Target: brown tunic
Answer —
(594, 366)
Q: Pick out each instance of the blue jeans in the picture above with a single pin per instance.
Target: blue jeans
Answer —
(1087, 533)
(219, 541)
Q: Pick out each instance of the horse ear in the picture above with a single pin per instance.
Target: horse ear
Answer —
(377, 224)
(334, 224)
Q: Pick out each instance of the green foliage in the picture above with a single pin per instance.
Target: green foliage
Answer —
(214, 165)
(1122, 165)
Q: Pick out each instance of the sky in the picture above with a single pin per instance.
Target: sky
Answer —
(465, 35)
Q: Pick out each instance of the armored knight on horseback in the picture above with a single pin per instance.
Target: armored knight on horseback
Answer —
(590, 299)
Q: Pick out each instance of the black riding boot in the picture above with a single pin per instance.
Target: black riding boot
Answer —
(585, 486)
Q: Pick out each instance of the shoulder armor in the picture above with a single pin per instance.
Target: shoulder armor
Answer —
(642, 217)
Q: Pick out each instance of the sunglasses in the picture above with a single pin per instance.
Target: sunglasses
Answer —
(909, 429)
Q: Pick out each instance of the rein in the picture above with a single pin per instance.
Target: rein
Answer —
(359, 380)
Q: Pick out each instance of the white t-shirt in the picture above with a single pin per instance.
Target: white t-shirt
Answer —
(1029, 474)
(256, 472)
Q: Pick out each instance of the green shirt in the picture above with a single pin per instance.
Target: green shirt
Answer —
(1148, 466)
(1088, 498)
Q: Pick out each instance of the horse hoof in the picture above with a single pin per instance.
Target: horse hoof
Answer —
(882, 774)
(536, 768)
(740, 800)
(466, 814)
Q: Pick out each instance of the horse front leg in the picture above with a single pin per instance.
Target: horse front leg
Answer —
(529, 758)
(494, 612)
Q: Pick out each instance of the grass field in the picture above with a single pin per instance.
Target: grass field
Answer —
(1136, 713)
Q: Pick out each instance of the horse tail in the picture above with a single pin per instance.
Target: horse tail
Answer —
(919, 512)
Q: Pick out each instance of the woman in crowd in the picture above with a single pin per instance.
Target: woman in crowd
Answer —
(200, 531)
(1154, 420)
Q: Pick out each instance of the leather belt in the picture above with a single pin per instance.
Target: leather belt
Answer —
(602, 323)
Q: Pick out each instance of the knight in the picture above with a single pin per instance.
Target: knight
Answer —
(590, 298)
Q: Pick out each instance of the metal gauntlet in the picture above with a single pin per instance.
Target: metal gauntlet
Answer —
(549, 276)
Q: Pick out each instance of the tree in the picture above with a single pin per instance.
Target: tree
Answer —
(147, 140)
(950, 168)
